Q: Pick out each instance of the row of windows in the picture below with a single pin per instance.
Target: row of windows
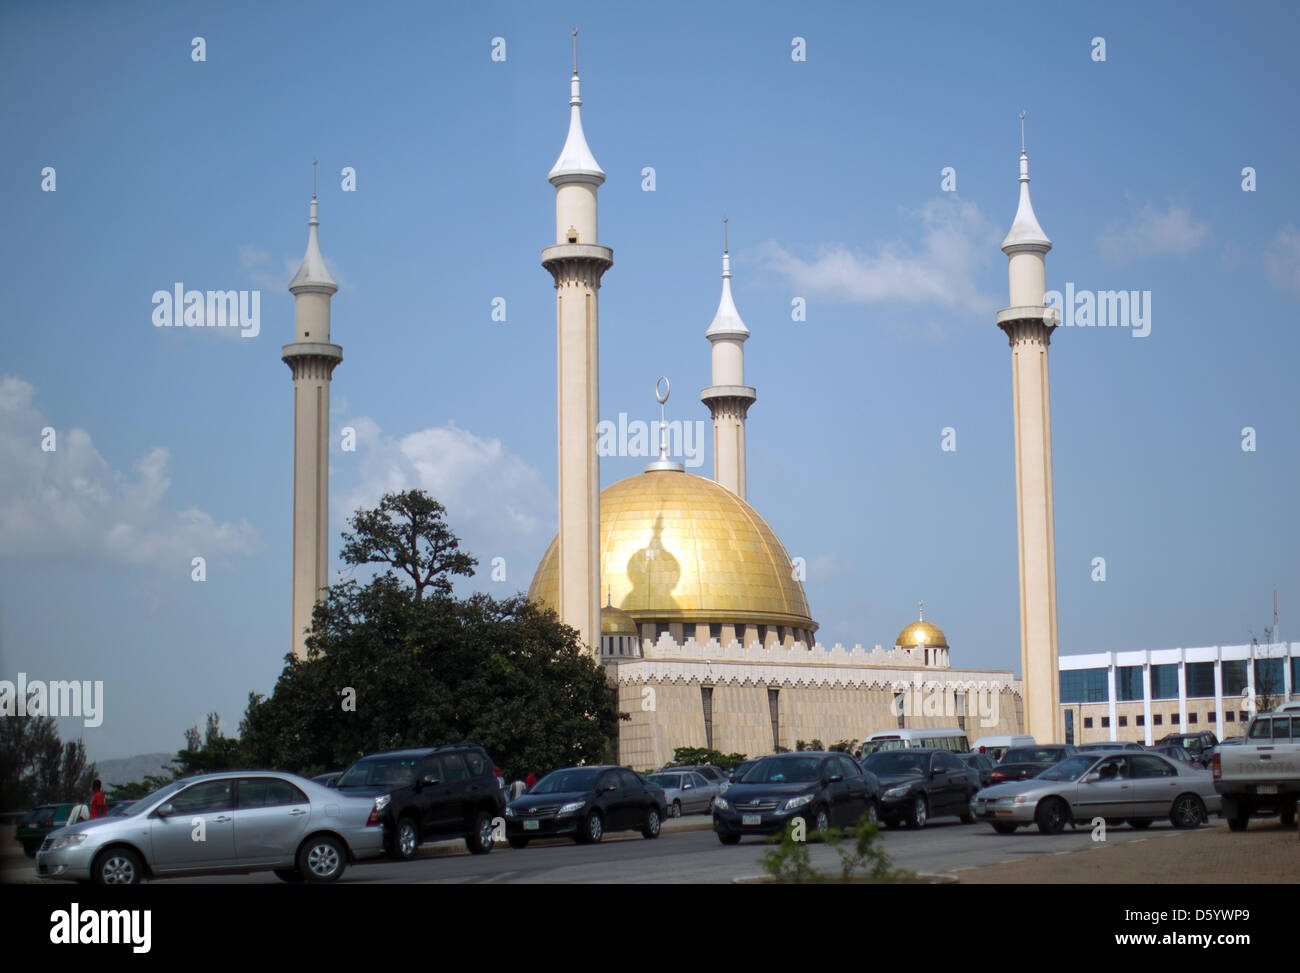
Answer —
(742, 633)
(1090, 685)
(1175, 719)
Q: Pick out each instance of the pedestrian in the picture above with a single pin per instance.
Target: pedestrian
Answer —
(516, 788)
(98, 803)
(530, 780)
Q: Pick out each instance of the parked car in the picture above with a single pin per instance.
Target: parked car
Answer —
(1136, 787)
(1173, 752)
(1263, 773)
(1021, 763)
(253, 820)
(430, 794)
(827, 790)
(709, 772)
(686, 792)
(1199, 745)
(40, 821)
(1106, 746)
(328, 780)
(981, 763)
(585, 804)
(918, 785)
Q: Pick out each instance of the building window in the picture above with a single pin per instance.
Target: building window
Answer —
(1200, 680)
(1123, 721)
(1105, 722)
(706, 701)
(1243, 717)
(1157, 719)
(1142, 720)
(1087, 722)
(900, 707)
(1128, 683)
(1269, 686)
(661, 629)
(1295, 673)
(1083, 686)
(774, 710)
(959, 699)
(1175, 718)
(715, 630)
(762, 635)
(1164, 682)
(1191, 718)
(1234, 677)
(1230, 717)
(1213, 715)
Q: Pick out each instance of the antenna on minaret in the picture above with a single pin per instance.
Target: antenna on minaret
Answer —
(1022, 131)
(575, 50)
(313, 178)
(920, 611)
(724, 234)
(662, 390)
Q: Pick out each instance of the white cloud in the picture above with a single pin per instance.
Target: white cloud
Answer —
(956, 242)
(1282, 262)
(70, 504)
(497, 504)
(1172, 233)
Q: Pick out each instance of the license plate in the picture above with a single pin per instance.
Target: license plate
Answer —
(1266, 789)
(532, 825)
(748, 819)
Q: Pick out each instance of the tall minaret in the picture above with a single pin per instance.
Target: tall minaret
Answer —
(728, 398)
(577, 262)
(312, 360)
(1028, 324)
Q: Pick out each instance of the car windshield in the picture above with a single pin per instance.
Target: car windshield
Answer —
(565, 781)
(898, 762)
(389, 773)
(1071, 768)
(666, 780)
(1031, 755)
(785, 770)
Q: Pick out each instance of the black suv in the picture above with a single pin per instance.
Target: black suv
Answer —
(433, 793)
(1199, 745)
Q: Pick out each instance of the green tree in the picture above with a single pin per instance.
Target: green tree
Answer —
(38, 767)
(407, 531)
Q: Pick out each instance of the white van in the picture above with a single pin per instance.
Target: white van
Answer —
(996, 747)
(937, 738)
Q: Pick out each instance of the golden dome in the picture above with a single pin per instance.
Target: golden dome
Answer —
(615, 621)
(679, 547)
(926, 633)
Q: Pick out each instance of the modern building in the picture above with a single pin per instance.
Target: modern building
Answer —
(1146, 694)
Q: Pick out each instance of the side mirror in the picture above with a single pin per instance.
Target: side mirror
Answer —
(1093, 777)
(834, 778)
(687, 786)
(166, 810)
(431, 779)
(606, 788)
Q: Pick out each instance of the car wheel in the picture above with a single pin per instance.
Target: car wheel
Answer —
(1287, 816)
(31, 850)
(1052, 816)
(1239, 821)
(968, 816)
(920, 812)
(890, 822)
(872, 813)
(290, 875)
(1188, 812)
(481, 841)
(676, 810)
(117, 866)
(1004, 827)
(821, 822)
(322, 859)
(728, 837)
(517, 843)
(592, 830)
(1139, 823)
(651, 829)
(407, 839)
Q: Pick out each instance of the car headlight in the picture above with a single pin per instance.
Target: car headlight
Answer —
(894, 793)
(66, 841)
(1022, 799)
(721, 802)
(510, 812)
(798, 802)
(573, 807)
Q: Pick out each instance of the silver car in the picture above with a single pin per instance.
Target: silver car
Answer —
(233, 821)
(686, 791)
(1117, 786)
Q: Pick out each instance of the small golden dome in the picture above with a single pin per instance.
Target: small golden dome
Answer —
(919, 633)
(680, 547)
(615, 621)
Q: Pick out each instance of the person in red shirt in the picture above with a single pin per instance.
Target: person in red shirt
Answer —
(98, 803)
(530, 780)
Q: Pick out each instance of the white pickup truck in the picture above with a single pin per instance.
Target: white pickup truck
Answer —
(1263, 773)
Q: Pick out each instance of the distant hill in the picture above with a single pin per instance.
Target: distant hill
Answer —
(126, 770)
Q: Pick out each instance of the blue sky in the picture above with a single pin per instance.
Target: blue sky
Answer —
(177, 442)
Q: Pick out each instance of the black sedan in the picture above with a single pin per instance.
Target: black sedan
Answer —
(826, 790)
(585, 803)
(1022, 763)
(981, 763)
(919, 784)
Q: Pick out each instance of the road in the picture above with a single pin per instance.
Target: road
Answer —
(684, 855)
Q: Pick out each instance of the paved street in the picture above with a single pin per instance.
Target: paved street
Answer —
(683, 854)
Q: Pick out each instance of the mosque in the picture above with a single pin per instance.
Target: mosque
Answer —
(680, 588)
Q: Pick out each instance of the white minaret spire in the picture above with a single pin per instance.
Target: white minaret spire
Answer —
(1028, 324)
(577, 262)
(312, 360)
(728, 398)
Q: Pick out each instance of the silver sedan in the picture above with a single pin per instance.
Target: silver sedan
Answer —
(235, 821)
(1135, 787)
(686, 791)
